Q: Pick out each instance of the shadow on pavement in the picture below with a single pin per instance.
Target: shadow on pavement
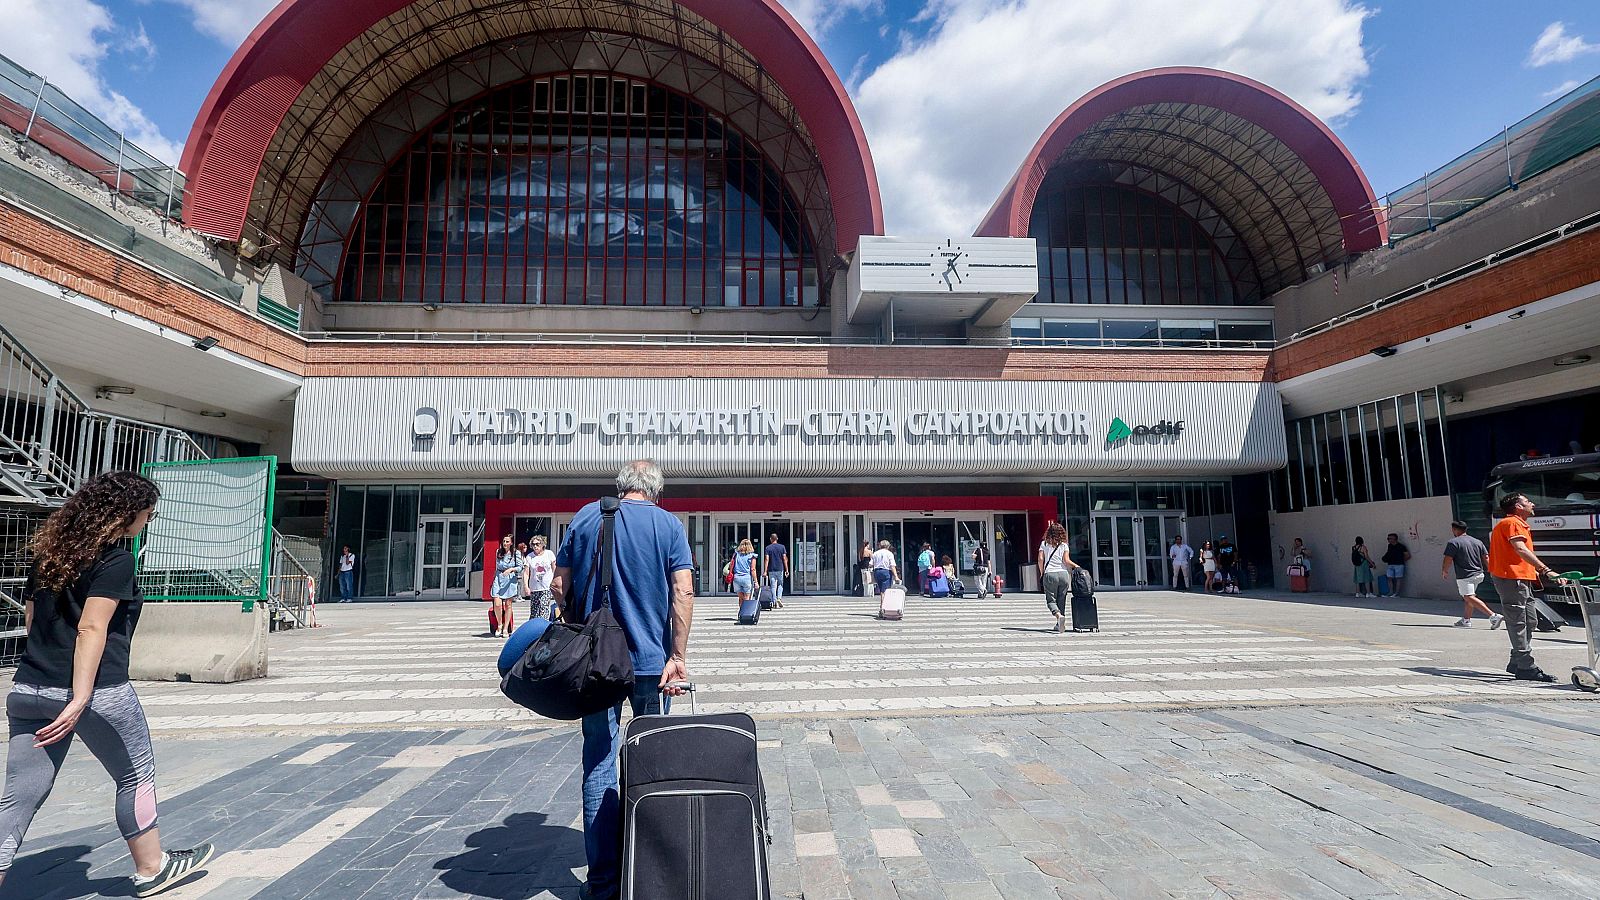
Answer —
(60, 872)
(518, 859)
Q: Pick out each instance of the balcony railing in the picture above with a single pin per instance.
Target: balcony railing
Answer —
(1560, 131)
(41, 113)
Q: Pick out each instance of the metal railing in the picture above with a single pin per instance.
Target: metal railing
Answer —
(1560, 131)
(39, 112)
(51, 441)
(744, 339)
(1500, 257)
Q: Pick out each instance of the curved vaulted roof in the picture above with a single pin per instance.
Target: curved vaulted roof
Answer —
(308, 77)
(1283, 181)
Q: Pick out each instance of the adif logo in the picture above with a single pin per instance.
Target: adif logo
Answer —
(1121, 431)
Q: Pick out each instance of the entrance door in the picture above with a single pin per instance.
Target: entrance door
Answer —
(1116, 550)
(444, 555)
(1130, 548)
(814, 557)
(969, 532)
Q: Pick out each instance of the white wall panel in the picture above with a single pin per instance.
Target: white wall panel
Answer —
(363, 427)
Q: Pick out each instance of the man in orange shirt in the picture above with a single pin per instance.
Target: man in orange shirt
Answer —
(1516, 571)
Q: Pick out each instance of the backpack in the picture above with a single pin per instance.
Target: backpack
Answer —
(1356, 558)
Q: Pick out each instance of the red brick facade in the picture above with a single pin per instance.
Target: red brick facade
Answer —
(41, 249)
(1572, 263)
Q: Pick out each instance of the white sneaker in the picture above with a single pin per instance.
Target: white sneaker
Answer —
(1463, 623)
(1495, 621)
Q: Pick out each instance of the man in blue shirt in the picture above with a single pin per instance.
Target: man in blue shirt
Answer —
(774, 566)
(652, 596)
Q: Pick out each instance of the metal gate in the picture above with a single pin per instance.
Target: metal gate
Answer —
(211, 540)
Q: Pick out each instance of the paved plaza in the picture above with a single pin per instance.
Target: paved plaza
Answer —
(1197, 747)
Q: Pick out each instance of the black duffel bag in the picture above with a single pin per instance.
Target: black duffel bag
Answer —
(574, 670)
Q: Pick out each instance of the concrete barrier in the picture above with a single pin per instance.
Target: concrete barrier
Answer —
(213, 643)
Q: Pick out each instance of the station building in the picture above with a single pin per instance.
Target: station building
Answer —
(455, 262)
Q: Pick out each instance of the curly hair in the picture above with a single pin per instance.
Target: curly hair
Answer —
(1055, 533)
(92, 519)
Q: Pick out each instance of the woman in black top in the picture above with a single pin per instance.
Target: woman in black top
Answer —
(82, 606)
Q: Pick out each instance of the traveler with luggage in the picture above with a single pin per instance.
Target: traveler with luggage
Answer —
(885, 572)
(652, 597)
(81, 606)
(774, 567)
(744, 570)
(980, 568)
(1516, 571)
(924, 563)
(1055, 573)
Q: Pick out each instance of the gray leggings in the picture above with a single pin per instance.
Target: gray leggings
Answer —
(113, 727)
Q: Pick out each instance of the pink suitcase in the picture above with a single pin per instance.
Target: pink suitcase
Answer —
(892, 604)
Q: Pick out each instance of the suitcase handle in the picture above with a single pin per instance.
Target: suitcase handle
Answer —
(688, 687)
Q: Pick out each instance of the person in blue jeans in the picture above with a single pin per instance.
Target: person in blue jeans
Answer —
(347, 575)
(652, 596)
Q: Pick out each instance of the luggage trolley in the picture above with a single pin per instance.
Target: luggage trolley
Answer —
(1585, 593)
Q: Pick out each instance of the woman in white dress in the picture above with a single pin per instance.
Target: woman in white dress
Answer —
(1208, 562)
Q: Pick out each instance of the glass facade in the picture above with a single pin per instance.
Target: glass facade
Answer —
(1113, 243)
(1250, 335)
(384, 525)
(581, 189)
(1391, 449)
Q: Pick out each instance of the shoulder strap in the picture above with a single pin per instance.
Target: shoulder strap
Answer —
(608, 519)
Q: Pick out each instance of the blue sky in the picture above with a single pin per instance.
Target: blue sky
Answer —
(1407, 85)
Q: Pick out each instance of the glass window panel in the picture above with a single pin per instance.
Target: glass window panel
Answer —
(446, 500)
(1245, 331)
(1188, 331)
(403, 539)
(373, 554)
(1112, 496)
(1025, 328)
(1130, 332)
(1077, 330)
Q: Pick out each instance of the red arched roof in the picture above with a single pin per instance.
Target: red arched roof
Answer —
(1301, 132)
(266, 75)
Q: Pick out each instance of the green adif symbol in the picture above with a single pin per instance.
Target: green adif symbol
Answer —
(1119, 431)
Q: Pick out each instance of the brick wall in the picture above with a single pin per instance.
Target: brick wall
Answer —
(41, 249)
(37, 247)
(1572, 263)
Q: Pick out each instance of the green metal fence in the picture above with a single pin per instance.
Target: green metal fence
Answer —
(212, 538)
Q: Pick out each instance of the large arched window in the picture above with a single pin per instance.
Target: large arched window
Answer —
(581, 189)
(1111, 233)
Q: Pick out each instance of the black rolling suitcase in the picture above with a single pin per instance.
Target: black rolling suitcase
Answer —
(1085, 613)
(750, 611)
(694, 813)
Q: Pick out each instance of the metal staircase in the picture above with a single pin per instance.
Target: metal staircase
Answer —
(51, 442)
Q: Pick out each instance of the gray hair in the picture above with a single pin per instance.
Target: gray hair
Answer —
(643, 476)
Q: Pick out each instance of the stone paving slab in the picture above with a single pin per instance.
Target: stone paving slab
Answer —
(1347, 802)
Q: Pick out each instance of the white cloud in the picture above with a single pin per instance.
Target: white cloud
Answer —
(229, 21)
(950, 116)
(1561, 89)
(66, 41)
(1556, 46)
(816, 16)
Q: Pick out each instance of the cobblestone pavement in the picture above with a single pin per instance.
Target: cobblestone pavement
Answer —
(964, 753)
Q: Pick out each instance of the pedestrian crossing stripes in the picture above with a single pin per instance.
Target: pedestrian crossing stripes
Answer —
(431, 665)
